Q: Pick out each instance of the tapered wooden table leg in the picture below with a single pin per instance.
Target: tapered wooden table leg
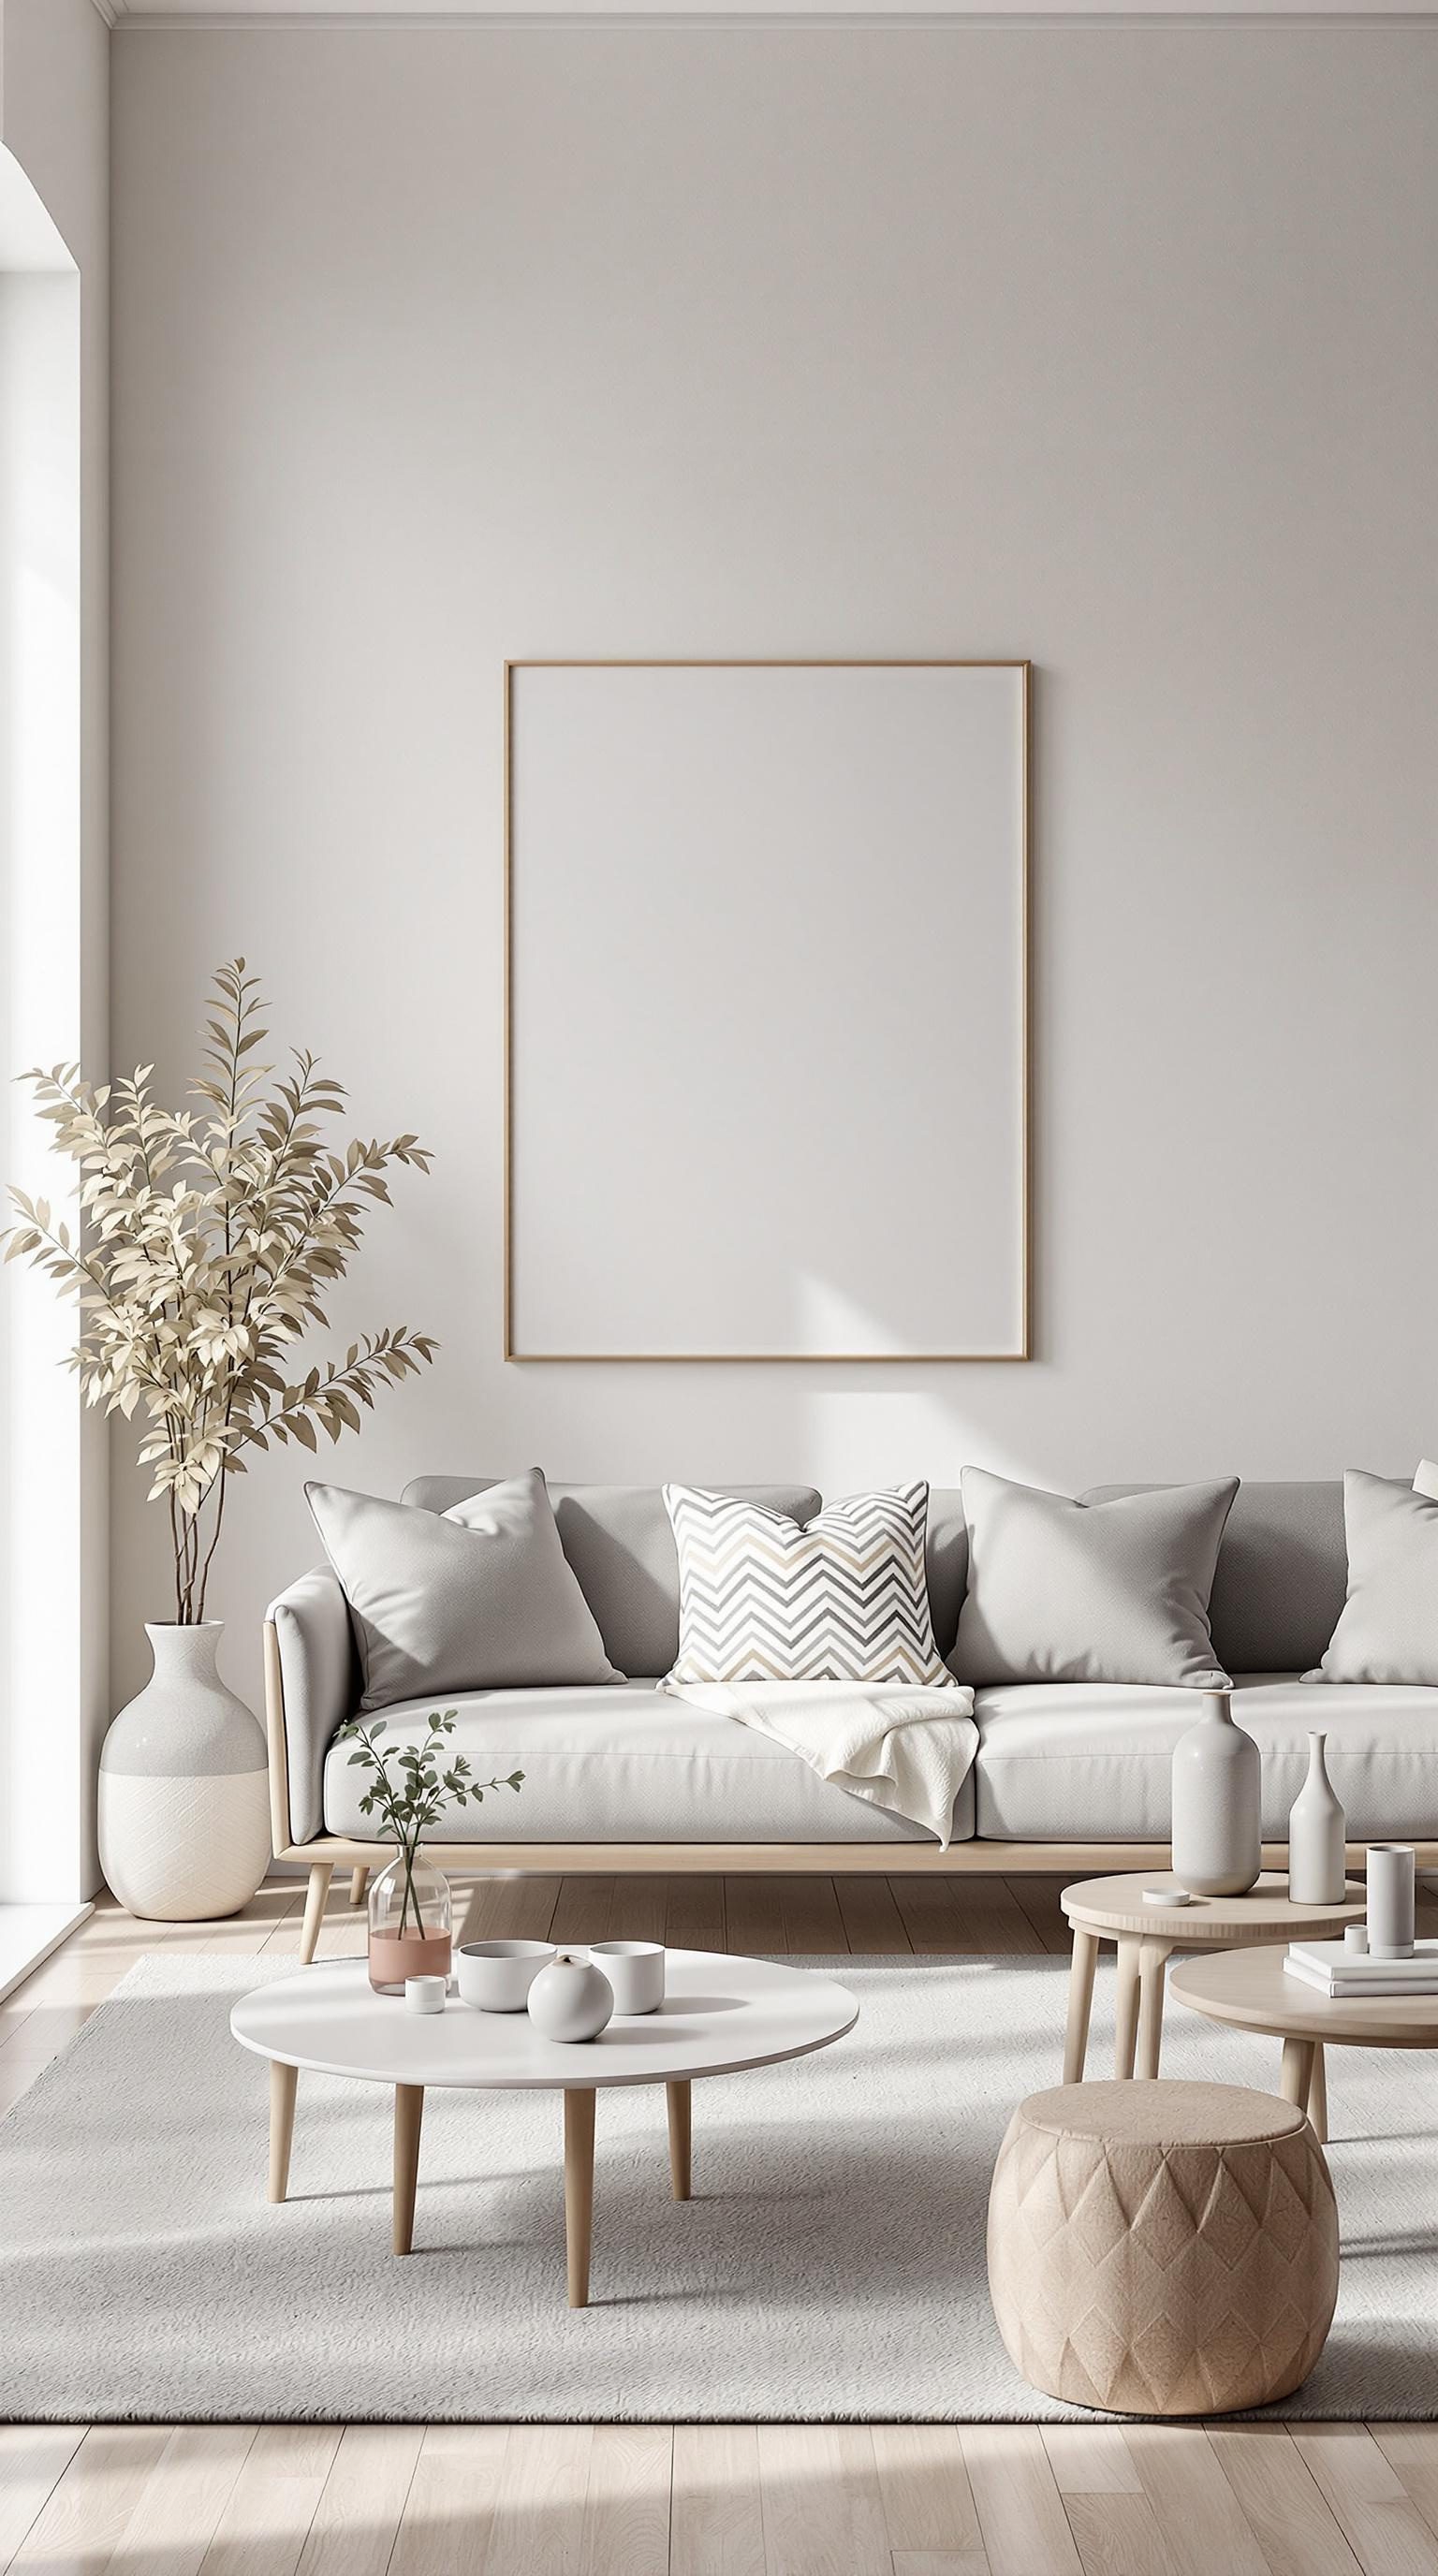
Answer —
(1318, 2096)
(1152, 1962)
(1085, 1959)
(1130, 1947)
(578, 2191)
(321, 1872)
(1297, 2072)
(283, 2080)
(680, 2133)
(408, 2119)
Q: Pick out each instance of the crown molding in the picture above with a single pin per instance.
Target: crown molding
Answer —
(233, 15)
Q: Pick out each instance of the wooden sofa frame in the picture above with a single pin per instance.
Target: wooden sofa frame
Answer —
(972, 1859)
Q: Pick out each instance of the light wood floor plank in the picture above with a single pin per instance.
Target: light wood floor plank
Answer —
(1292, 2524)
(1196, 2508)
(1368, 2500)
(1091, 2459)
(639, 1909)
(538, 2526)
(265, 2524)
(626, 2506)
(938, 2562)
(362, 2501)
(716, 2519)
(694, 1912)
(584, 1911)
(1038, 1899)
(174, 2517)
(76, 2531)
(924, 2486)
(507, 1909)
(1020, 2510)
(1412, 2449)
(753, 1916)
(1117, 2534)
(823, 2513)
(978, 1917)
(33, 2459)
(449, 2511)
(873, 1925)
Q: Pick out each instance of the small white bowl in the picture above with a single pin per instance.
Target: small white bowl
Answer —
(635, 1970)
(495, 1976)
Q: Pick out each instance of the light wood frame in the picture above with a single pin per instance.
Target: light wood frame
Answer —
(973, 1859)
(1023, 1349)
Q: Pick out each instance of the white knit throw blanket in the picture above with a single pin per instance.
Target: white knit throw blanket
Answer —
(909, 1751)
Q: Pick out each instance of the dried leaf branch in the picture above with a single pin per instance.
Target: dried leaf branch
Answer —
(209, 1239)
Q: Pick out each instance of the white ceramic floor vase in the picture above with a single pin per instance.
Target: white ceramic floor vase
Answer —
(1217, 1790)
(1391, 1876)
(1317, 1833)
(184, 1798)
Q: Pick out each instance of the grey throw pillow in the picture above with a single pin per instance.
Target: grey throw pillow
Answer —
(1388, 1627)
(1089, 1592)
(477, 1598)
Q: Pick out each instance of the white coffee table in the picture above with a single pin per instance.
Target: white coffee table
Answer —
(719, 2015)
(1112, 1909)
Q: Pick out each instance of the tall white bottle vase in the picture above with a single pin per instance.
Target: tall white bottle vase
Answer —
(1317, 1832)
(1217, 1792)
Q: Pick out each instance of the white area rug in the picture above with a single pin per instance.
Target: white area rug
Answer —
(831, 2265)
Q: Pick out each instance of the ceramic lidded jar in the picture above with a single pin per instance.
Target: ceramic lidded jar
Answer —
(571, 2000)
(1217, 1795)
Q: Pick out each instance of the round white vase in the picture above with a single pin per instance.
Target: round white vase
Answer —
(1217, 1795)
(184, 1796)
(571, 2000)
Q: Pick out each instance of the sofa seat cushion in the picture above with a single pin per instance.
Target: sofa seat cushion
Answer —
(1085, 1762)
(625, 1764)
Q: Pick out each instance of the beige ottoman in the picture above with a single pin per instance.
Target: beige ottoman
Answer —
(1162, 2249)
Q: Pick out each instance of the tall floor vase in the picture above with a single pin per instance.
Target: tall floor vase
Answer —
(184, 1800)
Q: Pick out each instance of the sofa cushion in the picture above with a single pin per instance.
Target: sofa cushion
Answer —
(1387, 1631)
(1282, 1571)
(1083, 1763)
(841, 1598)
(477, 1597)
(627, 1764)
(620, 1544)
(1089, 1592)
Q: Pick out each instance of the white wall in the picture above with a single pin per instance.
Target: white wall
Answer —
(54, 971)
(1114, 347)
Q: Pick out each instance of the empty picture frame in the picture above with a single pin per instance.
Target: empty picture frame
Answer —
(766, 1010)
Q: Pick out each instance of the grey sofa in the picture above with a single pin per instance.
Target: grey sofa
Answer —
(1068, 1776)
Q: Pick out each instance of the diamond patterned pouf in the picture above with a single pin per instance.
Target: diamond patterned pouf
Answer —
(1162, 2249)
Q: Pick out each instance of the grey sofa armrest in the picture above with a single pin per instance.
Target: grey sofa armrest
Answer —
(312, 1684)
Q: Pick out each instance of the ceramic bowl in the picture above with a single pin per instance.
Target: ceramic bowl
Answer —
(635, 1970)
(495, 1976)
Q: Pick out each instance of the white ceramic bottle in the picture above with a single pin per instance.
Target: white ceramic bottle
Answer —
(1217, 1788)
(1317, 1832)
(570, 2000)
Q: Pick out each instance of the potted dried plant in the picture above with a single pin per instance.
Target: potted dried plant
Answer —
(208, 1238)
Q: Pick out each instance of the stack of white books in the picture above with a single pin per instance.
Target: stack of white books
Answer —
(1338, 1971)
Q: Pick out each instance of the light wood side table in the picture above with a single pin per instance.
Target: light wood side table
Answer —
(1112, 1909)
(1253, 1989)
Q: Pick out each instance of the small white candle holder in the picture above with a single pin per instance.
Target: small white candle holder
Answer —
(1391, 1877)
(425, 1994)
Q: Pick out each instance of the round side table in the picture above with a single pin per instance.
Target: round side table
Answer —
(1112, 1909)
(1253, 1989)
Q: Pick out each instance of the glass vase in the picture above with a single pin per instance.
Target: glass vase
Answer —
(411, 1924)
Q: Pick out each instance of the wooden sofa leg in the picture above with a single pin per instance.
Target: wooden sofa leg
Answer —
(359, 1881)
(321, 1872)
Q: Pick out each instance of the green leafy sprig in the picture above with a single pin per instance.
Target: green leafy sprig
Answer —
(414, 1794)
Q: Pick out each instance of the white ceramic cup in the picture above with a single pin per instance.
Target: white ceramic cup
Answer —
(635, 1970)
(1390, 1900)
(495, 1976)
(425, 1994)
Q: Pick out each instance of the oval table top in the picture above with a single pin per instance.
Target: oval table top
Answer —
(1267, 1912)
(1254, 1989)
(719, 2014)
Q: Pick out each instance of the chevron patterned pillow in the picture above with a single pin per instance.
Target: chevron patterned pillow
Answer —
(842, 1598)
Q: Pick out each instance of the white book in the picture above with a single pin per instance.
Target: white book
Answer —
(1350, 1989)
(1337, 1960)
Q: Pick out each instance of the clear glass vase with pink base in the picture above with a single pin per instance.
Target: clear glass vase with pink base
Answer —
(411, 1924)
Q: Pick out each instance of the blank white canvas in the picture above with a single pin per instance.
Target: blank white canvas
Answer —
(767, 1011)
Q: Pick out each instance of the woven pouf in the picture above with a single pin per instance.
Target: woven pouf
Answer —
(1162, 2249)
